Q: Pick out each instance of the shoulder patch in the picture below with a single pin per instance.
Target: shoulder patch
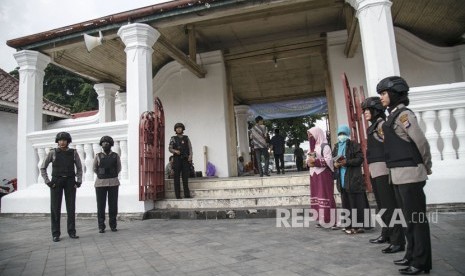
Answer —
(404, 120)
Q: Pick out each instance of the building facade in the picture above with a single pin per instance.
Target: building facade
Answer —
(238, 55)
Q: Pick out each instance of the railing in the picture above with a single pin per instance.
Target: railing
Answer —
(441, 110)
(86, 141)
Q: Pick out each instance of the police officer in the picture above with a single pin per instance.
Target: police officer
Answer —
(66, 177)
(383, 190)
(180, 146)
(107, 166)
(408, 158)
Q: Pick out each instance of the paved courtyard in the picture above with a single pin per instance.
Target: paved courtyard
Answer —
(212, 247)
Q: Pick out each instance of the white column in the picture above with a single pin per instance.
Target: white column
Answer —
(139, 39)
(378, 40)
(41, 154)
(448, 152)
(31, 79)
(431, 134)
(121, 106)
(241, 114)
(106, 101)
(88, 162)
(124, 158)
(459, 115)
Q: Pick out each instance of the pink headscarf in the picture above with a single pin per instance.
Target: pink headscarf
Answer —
(320, 138)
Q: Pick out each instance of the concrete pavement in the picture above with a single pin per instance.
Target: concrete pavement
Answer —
(211, 247)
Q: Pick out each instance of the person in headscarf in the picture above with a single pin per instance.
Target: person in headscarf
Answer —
(408, 157)
(384, 193)
(319, 160)
(348, 159)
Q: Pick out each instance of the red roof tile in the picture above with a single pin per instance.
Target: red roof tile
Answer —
(9, 88)
(84, 114)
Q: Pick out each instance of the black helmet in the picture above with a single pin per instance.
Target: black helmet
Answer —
(393, 84)
(107, 139)
(63, 136)
(181, 125)
(373, 103)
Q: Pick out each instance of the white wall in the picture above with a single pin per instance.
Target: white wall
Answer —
(339, 64)
(423, 64)
(201, 105)
(8, 148)
(420, 63)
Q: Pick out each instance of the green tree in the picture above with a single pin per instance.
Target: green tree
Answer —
(293, 129)
(67, 89)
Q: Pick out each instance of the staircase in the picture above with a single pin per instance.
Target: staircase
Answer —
(236, 197)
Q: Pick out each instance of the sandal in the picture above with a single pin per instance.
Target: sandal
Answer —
(354, 231)
(349, 231)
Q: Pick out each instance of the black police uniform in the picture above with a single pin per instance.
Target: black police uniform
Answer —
(107, 168)
(409, 160)
(181, 164)
(382, 189)
(63, 180)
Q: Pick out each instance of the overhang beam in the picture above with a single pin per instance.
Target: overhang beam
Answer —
(353, 32)
(180, 57)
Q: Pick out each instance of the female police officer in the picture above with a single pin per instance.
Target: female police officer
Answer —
(408, 157)
(379, 175)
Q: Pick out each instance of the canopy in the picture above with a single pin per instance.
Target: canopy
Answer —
(291, 108)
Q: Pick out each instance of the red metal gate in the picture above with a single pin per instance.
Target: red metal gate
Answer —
(152, 154)
(357, 122)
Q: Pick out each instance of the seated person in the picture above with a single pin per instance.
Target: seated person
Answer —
(242, 168)
(169, 172)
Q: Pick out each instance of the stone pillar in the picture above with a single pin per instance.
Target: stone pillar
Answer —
(121, 106)
(106, 101)
(241, 114)
(31, 79)
(378, 40)
(139, 39)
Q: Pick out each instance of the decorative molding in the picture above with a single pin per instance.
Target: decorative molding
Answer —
(81, 134)
(437, 97)
(138, 35)
(31, 60)
(360, 5)
(418, 47)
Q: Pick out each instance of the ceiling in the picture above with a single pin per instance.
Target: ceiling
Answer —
(274, 50)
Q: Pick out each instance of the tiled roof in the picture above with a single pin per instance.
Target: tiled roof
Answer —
(9, 87)
(84, 114)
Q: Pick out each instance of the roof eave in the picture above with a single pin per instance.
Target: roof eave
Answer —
(113, 22)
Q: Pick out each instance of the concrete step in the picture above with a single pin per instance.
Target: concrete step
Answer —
(239, 202)
(247, 181)
(244, 191)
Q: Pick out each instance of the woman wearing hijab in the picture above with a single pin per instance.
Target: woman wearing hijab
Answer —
(320, 162)
(348, 159)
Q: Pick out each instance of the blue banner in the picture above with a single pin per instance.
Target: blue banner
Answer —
(290, 109)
